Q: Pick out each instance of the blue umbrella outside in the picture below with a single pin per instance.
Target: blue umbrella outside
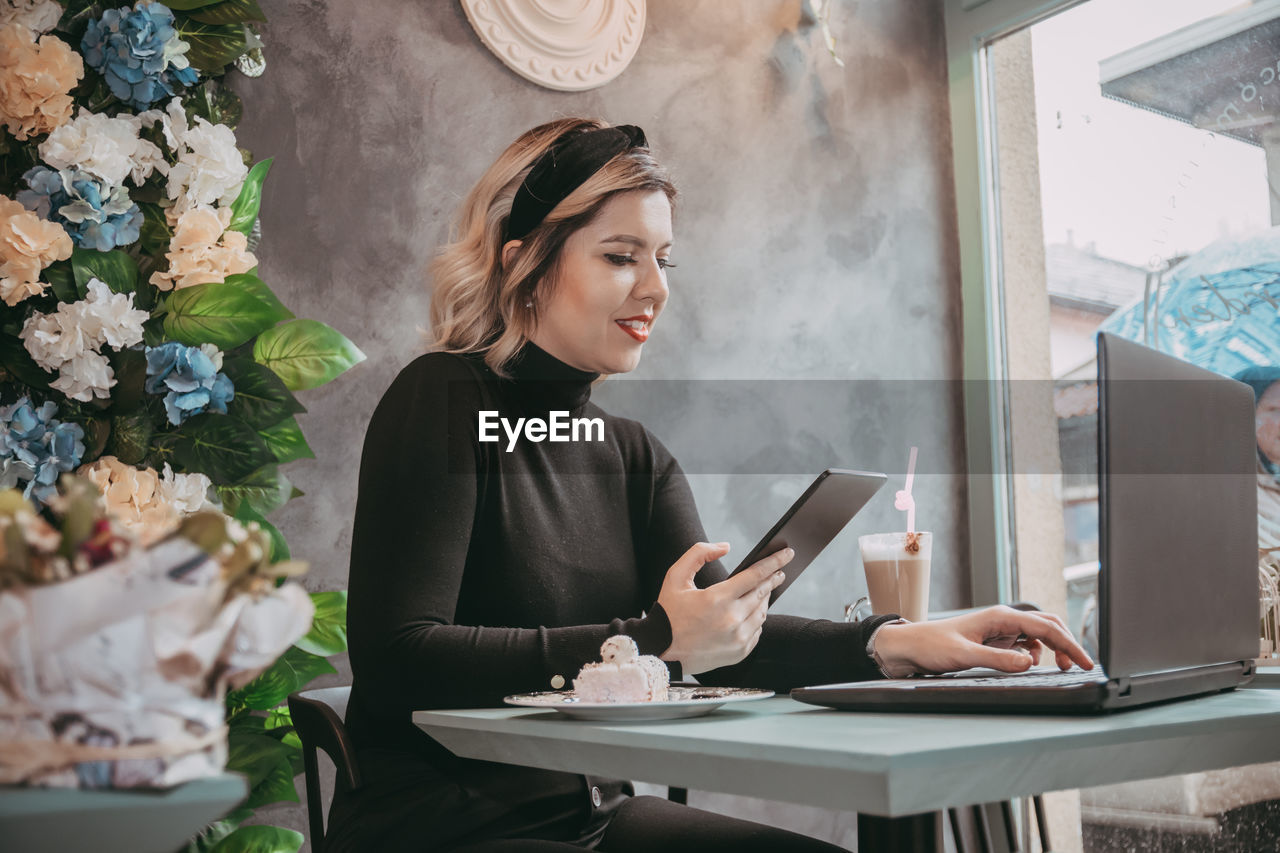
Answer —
(1220, 308)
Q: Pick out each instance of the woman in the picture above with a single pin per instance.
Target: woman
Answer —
(1265, 382)
(484, 568)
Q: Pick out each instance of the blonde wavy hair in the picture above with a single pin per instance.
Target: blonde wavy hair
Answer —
(480, 306)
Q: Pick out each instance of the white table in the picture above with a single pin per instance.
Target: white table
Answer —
(906, 767)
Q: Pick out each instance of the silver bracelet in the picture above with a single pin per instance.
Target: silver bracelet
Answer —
(904, 670)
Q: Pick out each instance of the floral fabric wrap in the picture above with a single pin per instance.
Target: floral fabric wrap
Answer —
(117, 677)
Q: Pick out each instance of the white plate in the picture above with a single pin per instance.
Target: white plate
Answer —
(685, 701)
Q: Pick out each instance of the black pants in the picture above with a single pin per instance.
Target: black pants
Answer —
(647, 824)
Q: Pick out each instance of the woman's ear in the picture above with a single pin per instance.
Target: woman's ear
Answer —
(510, 251)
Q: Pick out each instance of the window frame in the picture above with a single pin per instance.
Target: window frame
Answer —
(971, 26)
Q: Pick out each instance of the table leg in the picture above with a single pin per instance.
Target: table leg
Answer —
(918, 833)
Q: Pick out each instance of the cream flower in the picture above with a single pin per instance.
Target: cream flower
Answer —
(87, 375)
(147, 505)
(35, 81)
(203, 251)
(105, 147)
(39, 16)
(28, 244)
(209, 170)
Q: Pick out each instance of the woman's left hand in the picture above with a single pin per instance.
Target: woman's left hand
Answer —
(998, 637)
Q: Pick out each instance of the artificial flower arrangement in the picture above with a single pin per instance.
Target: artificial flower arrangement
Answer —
(137, 343)
(117, 654)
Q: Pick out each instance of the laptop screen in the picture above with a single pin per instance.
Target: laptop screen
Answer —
(1178, 584)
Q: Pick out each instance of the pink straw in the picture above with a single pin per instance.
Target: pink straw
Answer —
(903, 500)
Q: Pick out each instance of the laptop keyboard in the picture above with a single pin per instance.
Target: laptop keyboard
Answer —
(1048, 678)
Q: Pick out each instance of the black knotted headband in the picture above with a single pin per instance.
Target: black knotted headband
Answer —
(563, 168)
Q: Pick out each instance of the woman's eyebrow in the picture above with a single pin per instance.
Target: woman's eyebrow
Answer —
(635, 241)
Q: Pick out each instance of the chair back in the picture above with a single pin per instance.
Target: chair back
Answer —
(317, 718)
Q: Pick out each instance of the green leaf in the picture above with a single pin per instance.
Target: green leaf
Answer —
(18, 362)
(130, 437)
(156, 234)
(225, 449)
(153, 332)
(215, 103)
(294, 743)
(279, 547)
(266, 762)
(286, 441)
(292, 671)
(213, 46)
(306, 353)
(230, 12)
(253, 754)
(63, 281)
(246, 723)
(250, 282)
(115, 269)
(261, 399)
(188, 5)
(15, 159)
(244, 210)
(225, 314)
(260, 839)
(328, 634)
(277, 786)
(96, 433)
(278, 717)
(130, 368)
(264, 491)
(216, 831)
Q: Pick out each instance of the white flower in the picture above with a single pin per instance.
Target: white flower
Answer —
(105, 147)
(39, 16)
(209, 170)
(85, 376)
(68, 340)
(215, 355)
(186, 493)
(173, 121)
(102, 317)
(112, 316)
(54, 339)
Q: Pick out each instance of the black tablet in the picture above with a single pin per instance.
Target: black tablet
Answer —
(816, 518)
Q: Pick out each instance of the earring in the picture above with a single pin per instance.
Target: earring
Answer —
(529, 304)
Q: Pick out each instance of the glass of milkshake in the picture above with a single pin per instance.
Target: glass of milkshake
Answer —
(897, 568)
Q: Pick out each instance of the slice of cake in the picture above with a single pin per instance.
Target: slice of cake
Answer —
(624, 676)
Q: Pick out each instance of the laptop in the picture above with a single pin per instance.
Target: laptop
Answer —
(1178, 577)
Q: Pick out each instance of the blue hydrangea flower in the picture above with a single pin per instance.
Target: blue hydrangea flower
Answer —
(35, 447)
(95, 214)
(138, 53)
(189, 380)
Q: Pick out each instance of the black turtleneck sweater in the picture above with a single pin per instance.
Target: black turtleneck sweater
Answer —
(478, 572)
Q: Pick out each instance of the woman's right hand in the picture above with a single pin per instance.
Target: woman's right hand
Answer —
(721, 624)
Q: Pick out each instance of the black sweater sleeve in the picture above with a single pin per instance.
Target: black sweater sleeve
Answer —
(415, 517)
(793, 651)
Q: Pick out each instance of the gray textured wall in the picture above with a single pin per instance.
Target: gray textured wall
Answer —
(815, 240)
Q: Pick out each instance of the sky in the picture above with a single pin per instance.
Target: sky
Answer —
(1110, 172)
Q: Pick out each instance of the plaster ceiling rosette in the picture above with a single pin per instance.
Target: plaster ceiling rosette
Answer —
(568, 45)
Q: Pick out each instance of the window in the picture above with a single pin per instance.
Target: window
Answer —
(1123, 160)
